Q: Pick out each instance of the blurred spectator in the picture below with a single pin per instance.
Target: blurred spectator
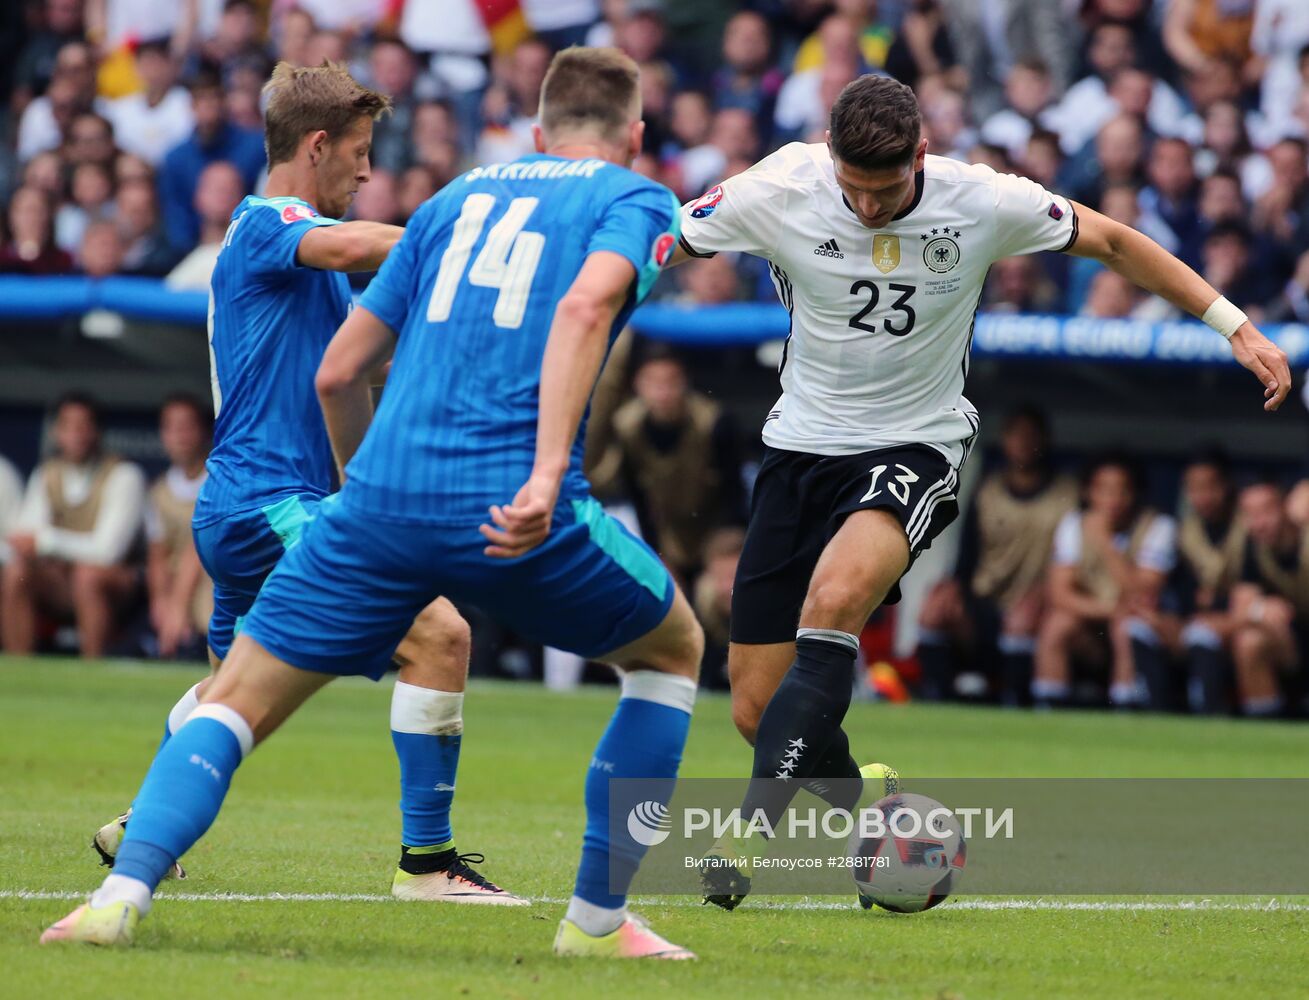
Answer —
(136, 214)
(1088, 105)
(1279, 37)
(181, 595)
(11, 503)
(1169, 198)
(377, 200)
(945, 123)
(72, 548)
(561, 23)
(711, 598)
(92, 192)
(292, 33)
(1226, 264)
(102, 252)
(30, 246)
(732, 137)
(674, 454)
(1041, 159)
(215, 139)
(1197, 33)
(129, 167)
(922, 49)
(217, 194)
(1111, 296)
(393, 70)
(806, 97)
(872, 37)
(1110, 562)
(153, 121)
(326, 46)
(1226, 145)
(987, 613)
(1270, 604)
(1282, 214)
(1016, 284)
(45, 172)
(235, 36)
(1210, 548)
(1028, 94)
(509, 106)
(991, 36)
(747, 79)
(90, 140)
(1119, 152)
(416, 186)
(349, 17)
(46, 119)
(61, 23)
(1292, 306)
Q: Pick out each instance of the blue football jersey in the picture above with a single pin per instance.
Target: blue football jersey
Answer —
(470, 292)
(270, 321)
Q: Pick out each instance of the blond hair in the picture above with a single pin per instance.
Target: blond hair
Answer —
(304, 99)
(590, 89)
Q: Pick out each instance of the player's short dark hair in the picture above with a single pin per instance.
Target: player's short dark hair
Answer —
(193, 403)
(595, 89)
(875, 124)
(78, 397)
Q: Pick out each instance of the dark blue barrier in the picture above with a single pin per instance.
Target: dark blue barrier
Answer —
(996, 335)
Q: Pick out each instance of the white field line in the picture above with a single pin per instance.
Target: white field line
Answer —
(1144, 906)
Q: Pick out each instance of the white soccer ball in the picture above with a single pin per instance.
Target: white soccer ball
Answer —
(912, 856)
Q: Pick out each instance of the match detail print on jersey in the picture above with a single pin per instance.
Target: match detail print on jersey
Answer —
(881, 320)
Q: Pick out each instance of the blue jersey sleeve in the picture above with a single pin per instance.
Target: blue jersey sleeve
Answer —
(642, 224)
(272, 234)
(390, 295)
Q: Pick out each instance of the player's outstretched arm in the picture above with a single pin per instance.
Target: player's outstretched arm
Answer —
(574, 352)
(344, 381)
(350, 246)
(1145, 263)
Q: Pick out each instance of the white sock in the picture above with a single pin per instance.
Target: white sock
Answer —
(595, 920)
(427, 711)
(183, 709)
(121, 889)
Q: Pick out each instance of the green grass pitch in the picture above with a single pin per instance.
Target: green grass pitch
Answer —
(314, 812)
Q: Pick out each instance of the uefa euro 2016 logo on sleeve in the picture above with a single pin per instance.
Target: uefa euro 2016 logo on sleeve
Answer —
(704, 208)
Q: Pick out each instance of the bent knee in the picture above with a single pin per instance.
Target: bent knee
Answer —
(746, 712)
(439, 633)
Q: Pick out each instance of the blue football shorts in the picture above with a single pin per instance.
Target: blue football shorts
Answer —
(341, 600)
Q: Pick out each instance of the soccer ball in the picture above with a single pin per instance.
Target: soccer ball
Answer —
(913, 857)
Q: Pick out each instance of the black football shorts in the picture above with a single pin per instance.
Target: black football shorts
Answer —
(800, 501)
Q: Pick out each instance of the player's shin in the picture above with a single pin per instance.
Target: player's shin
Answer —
(644, 739)
(427, 729)
(836, 778)
(801, 720)
(181, 796)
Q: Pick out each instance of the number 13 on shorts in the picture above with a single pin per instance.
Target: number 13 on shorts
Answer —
(898, 486)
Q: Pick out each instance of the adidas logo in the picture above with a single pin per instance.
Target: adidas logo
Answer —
(829, 249)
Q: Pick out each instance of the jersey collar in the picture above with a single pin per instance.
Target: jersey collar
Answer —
(918, 196)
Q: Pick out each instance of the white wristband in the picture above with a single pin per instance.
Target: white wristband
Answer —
(1224, 317)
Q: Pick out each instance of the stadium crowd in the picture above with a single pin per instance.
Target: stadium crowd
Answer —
(133, 130)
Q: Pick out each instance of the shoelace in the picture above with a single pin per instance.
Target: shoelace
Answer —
(458, 868)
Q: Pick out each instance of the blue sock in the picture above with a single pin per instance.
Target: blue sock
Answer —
(644, 740)
(427, 730)
(183, 792)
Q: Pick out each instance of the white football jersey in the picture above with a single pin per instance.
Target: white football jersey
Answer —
(881, 320)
